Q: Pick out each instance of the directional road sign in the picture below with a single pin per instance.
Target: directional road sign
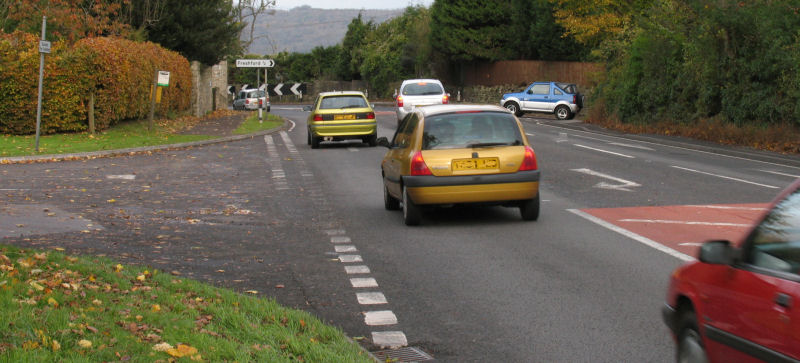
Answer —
(282, 89)
(255, 63)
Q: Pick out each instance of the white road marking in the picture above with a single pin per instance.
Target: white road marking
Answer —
(779, 173)
(360, 269)
(359, 282)
(693, 244)
(123, 177)
(689, 223)
(12, 190)
(604, 151)
(631, 146)
(353, 149)
(340, 239)
(389, 339)
(638, 238)
(383, 317)
(623, 184)
(293, 125)
(345, 248)
(350, 258)
(333, 232)
(562, 137)
(529, 134)
(371, 298)
(726, 177)
(728, 207)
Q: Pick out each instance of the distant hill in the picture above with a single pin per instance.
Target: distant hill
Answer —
(303, 28)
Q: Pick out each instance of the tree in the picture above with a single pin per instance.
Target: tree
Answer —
(592, 22)
(201, 30)
(142, 15)
(352, 48)
(534, 33)
(247, 12)
(468, 30)
(66, 19)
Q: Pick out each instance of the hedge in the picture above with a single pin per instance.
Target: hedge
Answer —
(119, 72)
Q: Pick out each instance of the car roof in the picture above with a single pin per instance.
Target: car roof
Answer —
(449, 108)
(418, 80)
(341, 93)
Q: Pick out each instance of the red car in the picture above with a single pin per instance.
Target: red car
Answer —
(741, 301)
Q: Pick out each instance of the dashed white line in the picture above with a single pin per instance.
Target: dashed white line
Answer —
(688, 223)
(334, 232)
(779, 173)
(638, 238)
(340, 239)
(345, 248)
(371, 298)
(360, 269)
(383, 317)
(725, 177)
(122, 177)
(389, 339)
(360, 282)
(631, 146)
(350, 258)
(604, 151)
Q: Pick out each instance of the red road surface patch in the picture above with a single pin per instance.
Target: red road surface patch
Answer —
(684, 227)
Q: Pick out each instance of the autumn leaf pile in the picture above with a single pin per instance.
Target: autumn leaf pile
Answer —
(55, 307)
(119, 72)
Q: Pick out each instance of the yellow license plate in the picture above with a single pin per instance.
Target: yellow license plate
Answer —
(344, 117)
(476, 163)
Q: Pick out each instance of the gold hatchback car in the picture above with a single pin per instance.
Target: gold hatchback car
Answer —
(453, 154)
(341, 115)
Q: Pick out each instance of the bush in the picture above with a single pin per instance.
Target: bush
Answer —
(119, 72)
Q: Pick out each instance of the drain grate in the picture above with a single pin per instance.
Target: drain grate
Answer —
(405, 354)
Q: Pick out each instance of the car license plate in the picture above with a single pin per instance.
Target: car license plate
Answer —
(344, 117)
(476, 163)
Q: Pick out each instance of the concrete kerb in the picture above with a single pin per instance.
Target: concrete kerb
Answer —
(135, 150)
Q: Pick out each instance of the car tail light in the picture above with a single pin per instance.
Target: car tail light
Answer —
(247, 101)
(260, 103)
(418, 166)
(529, 161)
(317, 117)
(445, 99)
(399, 101)
(370, 115)
(575, 99)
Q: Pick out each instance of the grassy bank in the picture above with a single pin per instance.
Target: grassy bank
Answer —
(58, 308)
(126, 135)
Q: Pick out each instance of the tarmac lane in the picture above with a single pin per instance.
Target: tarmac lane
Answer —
(212, 213)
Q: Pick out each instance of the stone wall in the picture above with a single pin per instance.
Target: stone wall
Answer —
(209, 88)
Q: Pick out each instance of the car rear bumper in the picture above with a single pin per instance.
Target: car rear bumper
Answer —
(349, 129)
(473, 188)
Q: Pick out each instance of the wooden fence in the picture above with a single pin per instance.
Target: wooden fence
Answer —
(523, 72)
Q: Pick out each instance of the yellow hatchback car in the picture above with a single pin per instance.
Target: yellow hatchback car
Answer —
(341, 115)
(453, 154)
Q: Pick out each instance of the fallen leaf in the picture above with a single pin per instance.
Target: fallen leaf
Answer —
(52, 302)
(36, 286)
(140, 277)
(97, 302)
(118, 268)
(156, 308)
(55, 345)
(182, 350)
(251, 292)
(86, 344)
(162, 347)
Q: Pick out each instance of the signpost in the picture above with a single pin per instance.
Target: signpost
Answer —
(44, 48)
(257, 63)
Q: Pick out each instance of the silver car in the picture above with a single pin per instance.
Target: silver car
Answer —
(419, 92)
(248, 99)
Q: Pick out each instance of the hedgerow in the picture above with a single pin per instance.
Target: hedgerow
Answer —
(119, 72)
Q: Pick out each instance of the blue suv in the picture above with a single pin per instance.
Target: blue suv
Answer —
(561, 99)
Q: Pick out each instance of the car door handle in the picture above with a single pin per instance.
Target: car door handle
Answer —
(783, 300)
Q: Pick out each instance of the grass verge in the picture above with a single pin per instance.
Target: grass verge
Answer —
(125, 135)
(58, 308)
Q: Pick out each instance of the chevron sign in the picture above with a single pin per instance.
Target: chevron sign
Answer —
(286, 89)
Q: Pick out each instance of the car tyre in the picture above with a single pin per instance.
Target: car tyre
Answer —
(308, 139)
(314, 142)
(411, 212)
(529, 209)
(563, 113)
(690, 347)
(390, 202)
(372, 140)
(514, 108)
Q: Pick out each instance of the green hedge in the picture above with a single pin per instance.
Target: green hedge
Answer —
(119, 71)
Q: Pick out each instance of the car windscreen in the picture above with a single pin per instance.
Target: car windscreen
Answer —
(422, 89)
(472, 129)
(335, 102)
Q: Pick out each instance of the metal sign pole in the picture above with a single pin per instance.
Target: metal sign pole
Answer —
(41, 78)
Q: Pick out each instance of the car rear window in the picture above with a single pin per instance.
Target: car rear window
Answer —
(568, 88)
(422, 89)
(458, 130)
(335, 102)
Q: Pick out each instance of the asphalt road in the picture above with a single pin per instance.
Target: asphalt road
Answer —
(470, 284)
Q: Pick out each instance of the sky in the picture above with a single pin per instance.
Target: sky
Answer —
(350, 4)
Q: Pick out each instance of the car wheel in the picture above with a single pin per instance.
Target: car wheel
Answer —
(529, 209)
(690, 344)
(308, 139)
(514, 108)
(563, 113)
(411, 212)
(372, 140)
(314, 142)
(390, 202)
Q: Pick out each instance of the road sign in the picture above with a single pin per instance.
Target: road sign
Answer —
(163, 78)
(255, 63)
(44, 46)
(284, 89)
(277, 89)
(294, 89)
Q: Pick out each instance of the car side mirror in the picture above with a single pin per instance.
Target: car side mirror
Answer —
(718, 252)
(306, 108)
(372, 105)
(383, 141)
(530, 91)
